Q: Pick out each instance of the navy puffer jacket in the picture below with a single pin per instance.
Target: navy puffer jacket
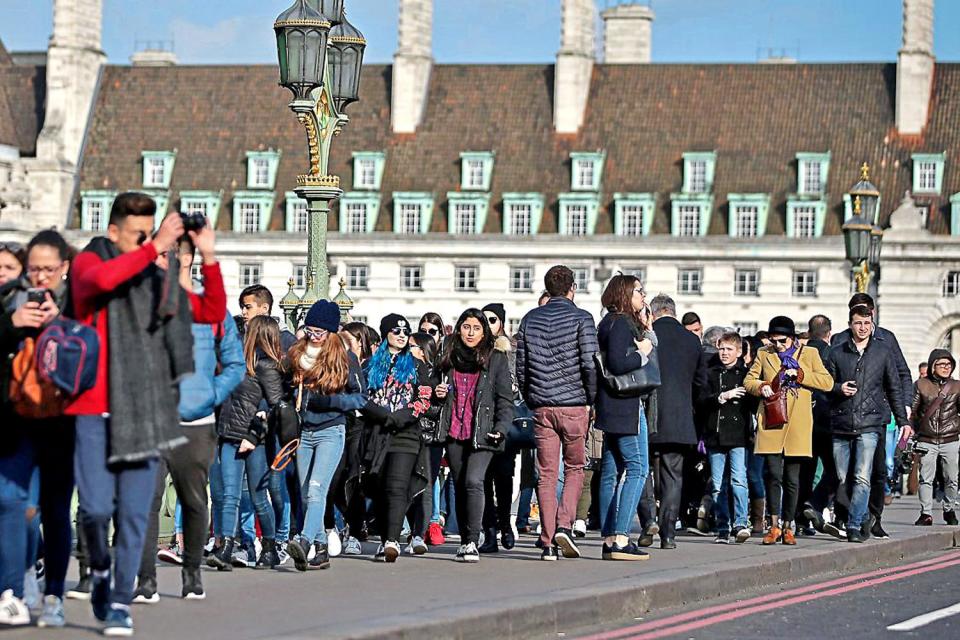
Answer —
(555, 347)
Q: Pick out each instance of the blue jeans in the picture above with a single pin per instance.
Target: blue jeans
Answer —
(119, 492)
(861, 448)
(755, 462)
(232, 470)
(523, 507)
(317, 458)
(623, 456)
(279, 495)
(890, 450)
(736, 459)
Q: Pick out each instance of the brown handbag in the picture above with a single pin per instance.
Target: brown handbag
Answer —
(775, 414)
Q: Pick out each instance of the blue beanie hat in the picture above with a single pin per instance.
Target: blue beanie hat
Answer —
(324, 315)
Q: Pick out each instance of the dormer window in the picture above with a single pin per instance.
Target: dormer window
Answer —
(158, 169)
(262, 169)
(368, 170)
(928, 172)
(812, 172)
(467, 212)
(476, 170)
(748, 214)
(698, 170)
(586, 170)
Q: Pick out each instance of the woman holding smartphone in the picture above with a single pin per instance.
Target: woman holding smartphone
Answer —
(476, 415)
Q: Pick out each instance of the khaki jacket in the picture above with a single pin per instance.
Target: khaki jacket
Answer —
(796, 437)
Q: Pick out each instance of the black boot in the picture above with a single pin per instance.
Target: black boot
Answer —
(321, 558)
(83, 588)
(220, 558)
(509, 540)
(298, 549)
(192, 584)
(269, 558)
(490, 542)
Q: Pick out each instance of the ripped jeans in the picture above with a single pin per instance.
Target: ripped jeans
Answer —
(317, 458)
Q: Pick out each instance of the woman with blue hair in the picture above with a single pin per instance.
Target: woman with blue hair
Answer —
(399, 394)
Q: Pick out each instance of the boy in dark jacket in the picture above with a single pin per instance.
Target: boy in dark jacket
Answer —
(728, 430)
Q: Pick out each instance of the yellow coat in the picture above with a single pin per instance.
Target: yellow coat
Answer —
(796, 437)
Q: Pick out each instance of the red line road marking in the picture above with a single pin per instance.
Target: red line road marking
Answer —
(946, 560)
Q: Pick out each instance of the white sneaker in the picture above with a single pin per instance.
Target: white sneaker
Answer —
(416, 547)
(580, 529)
(13, 611)
(283, 555)
(391, 551)
(211, 543)
(334, 545)
(351, 547)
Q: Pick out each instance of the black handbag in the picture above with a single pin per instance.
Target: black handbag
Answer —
(520, 436)
(633, 383)
(286, 424)
(430, 431)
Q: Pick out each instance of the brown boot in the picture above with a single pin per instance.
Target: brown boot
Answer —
(758, 510)
(788, 537)
(773, 536)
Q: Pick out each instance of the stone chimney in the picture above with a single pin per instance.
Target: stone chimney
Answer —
(574, 64)
(627, 34)
(915, 63)
(411, 65)
(74, 60)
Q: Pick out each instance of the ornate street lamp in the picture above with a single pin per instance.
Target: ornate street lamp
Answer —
(347, 45)
(320, 56)
(862, 237)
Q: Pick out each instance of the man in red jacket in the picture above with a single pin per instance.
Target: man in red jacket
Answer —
(143, 319)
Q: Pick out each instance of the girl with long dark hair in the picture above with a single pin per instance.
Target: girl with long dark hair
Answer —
(476, 416)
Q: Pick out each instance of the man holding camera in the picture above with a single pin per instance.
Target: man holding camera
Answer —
(866, 388)
(143, 319)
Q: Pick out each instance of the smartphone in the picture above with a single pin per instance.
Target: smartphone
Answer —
(852, 383)
(37, 295)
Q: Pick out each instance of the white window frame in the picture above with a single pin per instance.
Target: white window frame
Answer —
(804, 283)
(686, 213)
(299, 276)
(690, 281)
(585, 172)
(746, 282)
(951, 284)
(811, 181)
(260, 168)
(521, 279)
(465, 277)
(97, 211)
(245, 220)
(411, 277)
(411, 212)
(476, 173)
(742, 214)
(521, 225)
(465, 218)
(155, 166)
(358, 276)
(251, 273)
(366, 173)
(636, 271)
(804, 221)
(581, 277)
(356, 216)
(300, 217)
(573, 212)
(633, 214)
(698, 176)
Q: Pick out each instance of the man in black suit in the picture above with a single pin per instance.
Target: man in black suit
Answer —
(682, 375)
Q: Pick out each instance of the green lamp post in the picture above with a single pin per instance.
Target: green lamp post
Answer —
(320, 56)
(863, 237)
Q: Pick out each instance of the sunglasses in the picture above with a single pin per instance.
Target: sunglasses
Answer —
(493, 320)
(779, 340)
(315, 333)
(433, 331)
(12, 247)
(400, 331)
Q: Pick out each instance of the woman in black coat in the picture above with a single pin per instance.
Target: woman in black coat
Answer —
(476, 415)
(624, 348)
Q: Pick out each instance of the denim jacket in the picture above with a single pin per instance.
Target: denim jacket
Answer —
(205, 390)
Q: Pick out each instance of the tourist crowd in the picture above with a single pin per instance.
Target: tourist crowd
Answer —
(293, 445)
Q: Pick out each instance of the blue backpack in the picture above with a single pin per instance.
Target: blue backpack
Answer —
(67, 355)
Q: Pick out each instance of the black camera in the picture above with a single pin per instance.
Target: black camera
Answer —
(193, 221)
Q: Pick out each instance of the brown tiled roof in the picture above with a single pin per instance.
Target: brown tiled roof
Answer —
(22, 91)
(756, 117)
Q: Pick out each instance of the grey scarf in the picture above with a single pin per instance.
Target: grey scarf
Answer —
(151, 349)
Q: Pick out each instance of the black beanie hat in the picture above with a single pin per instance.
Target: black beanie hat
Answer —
(496, 309)
(323, 315)
(782, 326)
(391, 322)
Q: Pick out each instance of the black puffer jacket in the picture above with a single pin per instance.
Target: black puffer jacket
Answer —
(493, 407)
(943, 426)
(555, 347)
(238, 415)
(878, 388)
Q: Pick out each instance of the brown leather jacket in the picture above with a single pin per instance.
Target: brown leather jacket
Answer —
(943, 426)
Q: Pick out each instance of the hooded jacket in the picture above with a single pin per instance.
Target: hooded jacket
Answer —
(943, 425)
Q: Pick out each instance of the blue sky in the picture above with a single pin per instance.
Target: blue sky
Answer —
(239, 31)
